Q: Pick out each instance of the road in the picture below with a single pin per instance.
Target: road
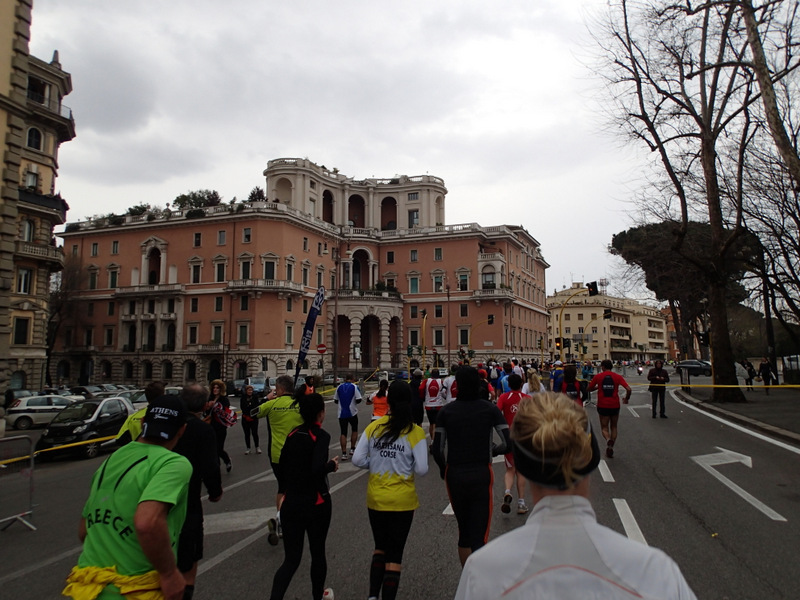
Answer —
(721, 501)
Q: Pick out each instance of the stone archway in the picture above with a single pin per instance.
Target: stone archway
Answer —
(370, 342)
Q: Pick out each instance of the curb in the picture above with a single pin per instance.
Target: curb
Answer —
(777, 432)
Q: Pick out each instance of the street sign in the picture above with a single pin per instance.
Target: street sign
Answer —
(322, 348)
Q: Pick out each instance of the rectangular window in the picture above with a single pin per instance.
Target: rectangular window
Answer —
(413, 337)
(580, 316)
(151, 307)
(319, 335)
(413, 285)
(319, 279)
(289, 304)
(437, 283)
(246, 235)
(198, 239)
(413, 195)
(112, 279)
(74, 249)
(192, 334)
(111, 309)
(220, 272)
(88, 336)
(21, 327)
(221, 237)
(218, 303)
(93, 280)
(25, 281)
(109, 336)
(289, 335)
(305, 275)
(132, 307)
(414, 311)
(244, 336)
(463, 282)
(566, 317)
(171, 305)
(390, 257)
(305, 244)
(216, 334)
(437, 254)
(244, 303)
(305, 307)
(246, 270)
(195, 273)
(413, 256)
(463, 310)
(94, 248)
(193, 305)
(413, 218)
(437, 311)
(115, 247)
(463, 337)
(289, 272)
(269, 270)
(438, 337)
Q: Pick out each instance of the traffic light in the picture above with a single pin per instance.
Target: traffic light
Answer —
(567, 343)
(424, 312)
(592, 287)
(410, 351)
(539, 343)
(703, 335)
(558, 343)
(606, 313)
(491, 319)
(472, 353)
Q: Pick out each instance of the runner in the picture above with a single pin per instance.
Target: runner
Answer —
(378, 400)
(220, 396)
(561, 551)
(508, 403)
(393, 449)
(347, 396)
(283, 415)
(449, 389)
(463, 449)
(429, 390)
(307, 504)
(607, 382)
(571, 386)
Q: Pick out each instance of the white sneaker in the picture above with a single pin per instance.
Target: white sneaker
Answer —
(246, 452)
(344, 458)
(258, 450)
(327, 594)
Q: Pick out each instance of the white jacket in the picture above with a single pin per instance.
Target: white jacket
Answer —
(562, 552)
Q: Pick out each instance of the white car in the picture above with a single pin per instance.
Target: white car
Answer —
(26, 412)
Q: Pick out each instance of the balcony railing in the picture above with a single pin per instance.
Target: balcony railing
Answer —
(143, 290)
(347, 294)
(492, 294)
(210, 348)
(39, 252)
(264, 285)
(51, 104)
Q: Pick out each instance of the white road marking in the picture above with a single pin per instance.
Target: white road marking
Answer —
(628, 521)
(448, 510)
(238, 520)
(605, 472)
(736, 426)
(633, 409)
(724, 457)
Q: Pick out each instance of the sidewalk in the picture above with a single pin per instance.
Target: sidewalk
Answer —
(776, 414)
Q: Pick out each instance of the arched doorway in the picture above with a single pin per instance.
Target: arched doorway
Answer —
(18, 381)
(214, 370)
(370, 342)
(190, 371)
(62, 371)
(239, 369)
(388, 214)
(356, 211)
(105, 369)
(327, 206)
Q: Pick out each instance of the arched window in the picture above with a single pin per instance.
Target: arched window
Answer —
(289, 365)
(34, 138)
(28, 229)
(166, 369)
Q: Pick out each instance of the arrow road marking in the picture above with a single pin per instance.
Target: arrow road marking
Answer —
(724, 457)
(633, 409)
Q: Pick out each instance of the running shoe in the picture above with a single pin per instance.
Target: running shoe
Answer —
(279, 528)
(258, 450)
(228, 466)
(344, 458)
(327, 594)
(522, 508)
(246, 452)
(506, 506)
(273, 537)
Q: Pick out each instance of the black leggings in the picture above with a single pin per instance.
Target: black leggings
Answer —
(297, 520)
(470, 491)
(222, 433)
(390, 531)
(250, 427)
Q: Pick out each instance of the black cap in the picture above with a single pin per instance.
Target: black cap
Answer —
(164, 417)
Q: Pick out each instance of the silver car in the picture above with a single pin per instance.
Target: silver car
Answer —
(26, 412)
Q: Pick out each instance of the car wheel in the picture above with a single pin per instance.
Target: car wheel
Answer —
(707, 373)
(23, 423)
(91, 450)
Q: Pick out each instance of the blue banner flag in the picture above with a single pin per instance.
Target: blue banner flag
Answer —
(308, 331)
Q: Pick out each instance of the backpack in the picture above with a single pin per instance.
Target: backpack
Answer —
(224, 415)
(433, 387)
(607, 386)
(573, 393)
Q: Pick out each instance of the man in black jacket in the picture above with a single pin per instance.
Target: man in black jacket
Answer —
(199, 445)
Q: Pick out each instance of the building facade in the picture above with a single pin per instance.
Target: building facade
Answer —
(33, 125)
(225, 291)
(602, 326)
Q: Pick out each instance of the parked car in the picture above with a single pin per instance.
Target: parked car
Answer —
(87, 391)
(12, 395)
(694, 367)
(82, 421)
(36, 410)
(258, 382)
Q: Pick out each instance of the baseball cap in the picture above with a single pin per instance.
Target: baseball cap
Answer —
(164, 417)
(558, 363)
(482, 372)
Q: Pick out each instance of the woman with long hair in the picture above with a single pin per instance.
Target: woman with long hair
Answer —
(394, 450)
(306, 507)
(562, 551)
(250, 401)
(219, 396)
(533, 385)
(379, 401)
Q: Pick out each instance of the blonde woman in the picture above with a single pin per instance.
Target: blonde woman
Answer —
(562, 552)
(534, 385)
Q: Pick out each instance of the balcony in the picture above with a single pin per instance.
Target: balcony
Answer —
(361, 295)
(158, 289)
(264, 285)
(168, 347)
(493, 294)
(210, 348)
(168, 316)
(128, 318)
(39, 252)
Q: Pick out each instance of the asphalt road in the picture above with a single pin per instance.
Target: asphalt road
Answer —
(717, 499)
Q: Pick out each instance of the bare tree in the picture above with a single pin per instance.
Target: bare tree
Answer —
(65, 306)
(680, 84)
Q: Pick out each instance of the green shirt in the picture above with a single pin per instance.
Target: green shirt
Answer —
(133, 424)
(135, 473)
(283, 415)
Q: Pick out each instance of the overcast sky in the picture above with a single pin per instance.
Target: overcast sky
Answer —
(493, 97)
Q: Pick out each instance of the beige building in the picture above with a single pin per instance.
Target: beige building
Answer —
(602, 326)
(33, 125)
(225, 291)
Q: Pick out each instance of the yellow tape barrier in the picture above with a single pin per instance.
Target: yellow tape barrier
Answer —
(72, 445)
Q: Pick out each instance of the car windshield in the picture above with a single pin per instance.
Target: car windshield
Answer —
(257, 381)
(79, 411)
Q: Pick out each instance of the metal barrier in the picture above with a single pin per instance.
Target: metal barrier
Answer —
(16, 481)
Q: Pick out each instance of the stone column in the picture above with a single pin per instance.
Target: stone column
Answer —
(386, 353)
